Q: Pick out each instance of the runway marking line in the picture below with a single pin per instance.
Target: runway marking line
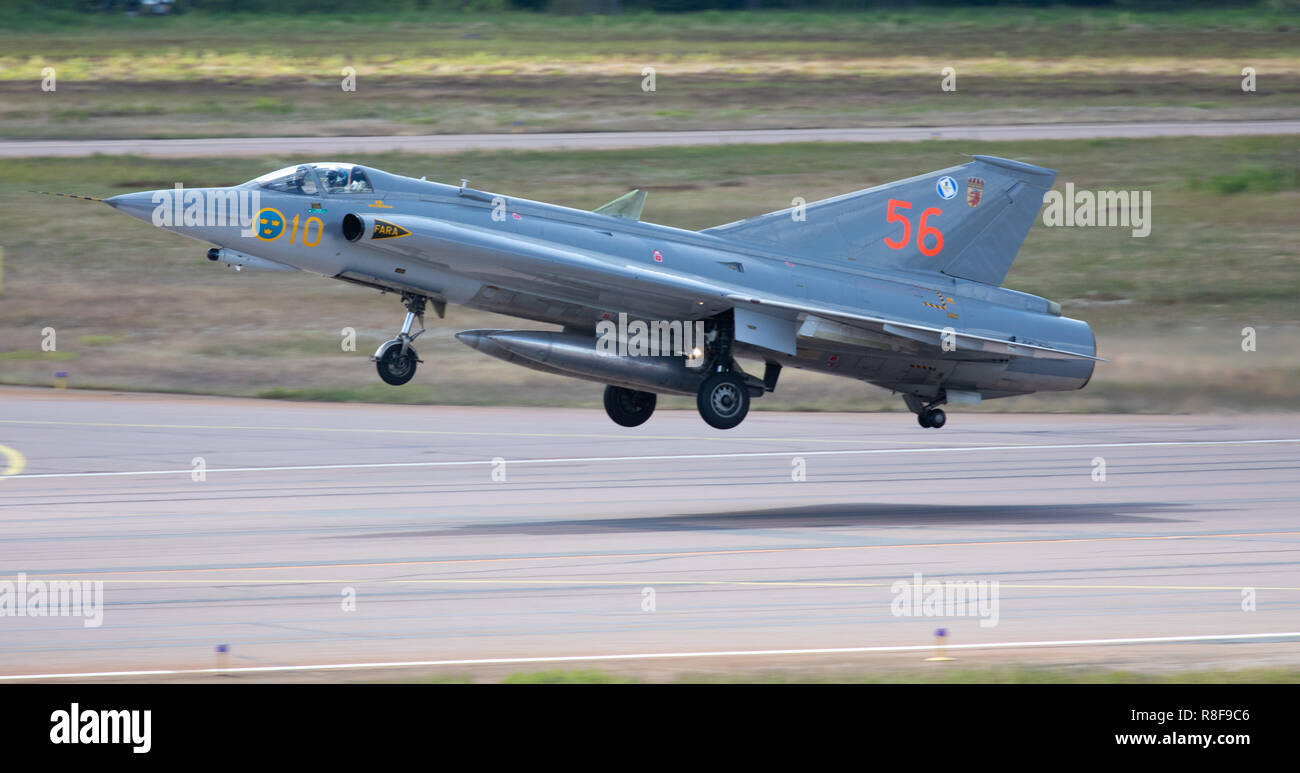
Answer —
(15, 461)
(813, 584)
(677, 457)
(728, 583)
(470, 433)
(656, 656)
(681, 554)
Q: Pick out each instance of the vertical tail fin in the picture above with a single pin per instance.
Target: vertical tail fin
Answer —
(966, 221)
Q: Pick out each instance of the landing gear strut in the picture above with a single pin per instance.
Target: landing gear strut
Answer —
(628, 407)
(723, 397)
(928, 415)
(396, 359)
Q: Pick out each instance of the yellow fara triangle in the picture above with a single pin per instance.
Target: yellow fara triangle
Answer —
(387, 230)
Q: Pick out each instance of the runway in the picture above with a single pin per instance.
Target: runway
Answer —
(456, 143)
(524, 537)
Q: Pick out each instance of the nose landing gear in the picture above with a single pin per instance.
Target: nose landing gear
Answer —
(396, 359)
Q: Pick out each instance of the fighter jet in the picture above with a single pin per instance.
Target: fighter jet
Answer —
(896, 285)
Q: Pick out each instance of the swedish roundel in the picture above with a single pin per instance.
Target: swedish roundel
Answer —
(946, 187)
(270, 224)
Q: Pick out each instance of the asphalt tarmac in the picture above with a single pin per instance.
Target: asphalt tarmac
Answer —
(369, 538)
(457, 143)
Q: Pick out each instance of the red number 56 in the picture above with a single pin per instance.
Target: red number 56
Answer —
(922, 229)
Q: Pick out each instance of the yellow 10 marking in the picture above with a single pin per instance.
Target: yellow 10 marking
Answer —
(306, 226)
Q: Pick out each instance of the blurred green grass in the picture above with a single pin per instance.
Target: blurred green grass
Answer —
(485, 30)
(1007, 675)
(947, 674)
(1253, 178)
(272, 74)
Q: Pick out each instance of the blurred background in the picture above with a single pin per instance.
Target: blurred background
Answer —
(139, 309)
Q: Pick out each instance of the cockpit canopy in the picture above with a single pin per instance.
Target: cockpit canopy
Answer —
(312, 179)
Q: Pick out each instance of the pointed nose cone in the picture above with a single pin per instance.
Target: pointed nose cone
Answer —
(137, 205)
(477, 339)
(470, 338)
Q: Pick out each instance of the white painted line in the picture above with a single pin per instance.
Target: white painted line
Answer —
(671, 457)
(653, 656)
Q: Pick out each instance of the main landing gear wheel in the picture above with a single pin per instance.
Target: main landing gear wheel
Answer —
(932, 418)
(628, 407)
(396, 367)
(723, 400)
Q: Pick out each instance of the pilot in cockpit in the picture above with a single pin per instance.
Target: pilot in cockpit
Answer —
(342, 178)
(336, 180)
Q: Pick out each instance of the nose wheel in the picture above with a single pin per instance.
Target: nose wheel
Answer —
(395, 366)
(396, 359)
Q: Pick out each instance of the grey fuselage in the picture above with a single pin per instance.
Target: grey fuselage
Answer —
(571, 267)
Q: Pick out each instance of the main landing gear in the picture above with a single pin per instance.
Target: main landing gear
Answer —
(933, 418)
(723, 400)
(723, 397)
(723, 394)
(396, 359)
(628, 407)
(928, 415)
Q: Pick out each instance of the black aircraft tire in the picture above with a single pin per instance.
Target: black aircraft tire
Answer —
(394, 368)
(923, 418)
(723, 400)
(937, 418)
(628, 407)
